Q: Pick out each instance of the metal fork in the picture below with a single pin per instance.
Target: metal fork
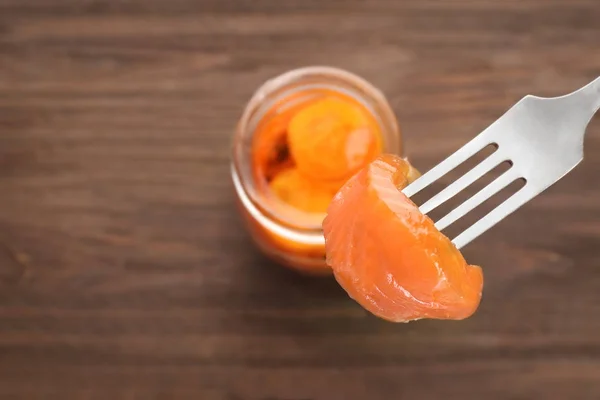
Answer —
(542, 138)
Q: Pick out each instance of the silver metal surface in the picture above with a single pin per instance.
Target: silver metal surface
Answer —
(543, 140)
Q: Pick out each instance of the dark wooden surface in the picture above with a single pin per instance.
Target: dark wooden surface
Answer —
(125, 272)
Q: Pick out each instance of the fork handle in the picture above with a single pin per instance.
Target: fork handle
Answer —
(587, 100)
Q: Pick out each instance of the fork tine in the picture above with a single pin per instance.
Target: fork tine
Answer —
(453, 161)
(515, 201)
(491, 189)
(458, 185)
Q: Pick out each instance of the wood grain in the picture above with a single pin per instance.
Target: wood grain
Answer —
(126, 274)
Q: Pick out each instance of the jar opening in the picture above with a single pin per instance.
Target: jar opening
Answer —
(281, 94)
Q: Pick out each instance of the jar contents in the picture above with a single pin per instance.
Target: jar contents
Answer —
(307, 149)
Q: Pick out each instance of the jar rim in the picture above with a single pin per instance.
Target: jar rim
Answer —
(297, 73)
(360, 88)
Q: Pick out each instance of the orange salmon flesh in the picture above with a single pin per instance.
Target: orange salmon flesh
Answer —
(389, 257)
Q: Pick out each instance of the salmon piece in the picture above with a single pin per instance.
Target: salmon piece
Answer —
(332, 138)
(389, 257)
(294, 189)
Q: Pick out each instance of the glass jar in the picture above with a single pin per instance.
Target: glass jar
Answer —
(297, 242)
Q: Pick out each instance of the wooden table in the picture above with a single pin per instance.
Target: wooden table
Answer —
(125, 272)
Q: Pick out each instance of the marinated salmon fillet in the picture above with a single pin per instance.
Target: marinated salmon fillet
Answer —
(332, 139)
(389, 257)
(302, 193)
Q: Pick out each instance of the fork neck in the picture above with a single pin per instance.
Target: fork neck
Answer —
(588, 98)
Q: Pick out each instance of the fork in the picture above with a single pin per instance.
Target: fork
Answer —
(542, 139)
